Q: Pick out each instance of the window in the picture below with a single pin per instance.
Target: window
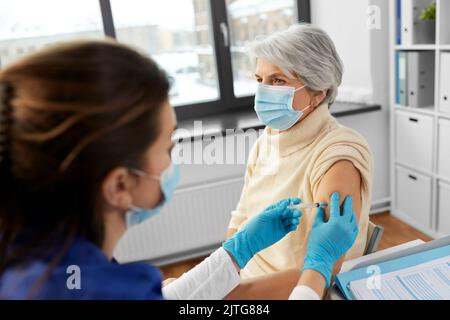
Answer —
(200, 43)
(177, 34)
(26, 26)
(248, 19)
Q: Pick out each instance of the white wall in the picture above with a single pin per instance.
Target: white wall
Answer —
(345, 22)
(366, 61)
(380, 80)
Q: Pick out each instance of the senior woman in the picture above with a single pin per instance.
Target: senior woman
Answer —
(303, 151)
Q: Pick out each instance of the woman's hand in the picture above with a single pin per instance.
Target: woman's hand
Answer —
(329, 241)
(263, 230)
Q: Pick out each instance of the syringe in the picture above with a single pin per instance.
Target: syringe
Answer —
(308, 205)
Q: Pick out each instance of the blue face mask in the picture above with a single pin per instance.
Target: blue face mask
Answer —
(273, 105)
(168, 183)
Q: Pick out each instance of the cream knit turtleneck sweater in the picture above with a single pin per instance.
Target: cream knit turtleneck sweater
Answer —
(292, 163)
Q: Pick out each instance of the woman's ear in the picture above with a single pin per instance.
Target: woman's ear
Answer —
(319, 97)
(116, 189)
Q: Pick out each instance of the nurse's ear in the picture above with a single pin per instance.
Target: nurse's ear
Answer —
(116, 189)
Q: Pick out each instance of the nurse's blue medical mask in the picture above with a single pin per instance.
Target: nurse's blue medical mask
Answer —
(273, 106)
(168, 183)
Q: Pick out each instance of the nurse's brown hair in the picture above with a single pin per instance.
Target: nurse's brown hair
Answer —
(70, 115)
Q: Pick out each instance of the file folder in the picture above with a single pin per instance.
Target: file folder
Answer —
(397, 77)
(402, 75)
(420, 76)
(445, 83)
(407, 22)
(399, 22)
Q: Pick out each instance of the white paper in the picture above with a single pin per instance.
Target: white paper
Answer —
(427, 281)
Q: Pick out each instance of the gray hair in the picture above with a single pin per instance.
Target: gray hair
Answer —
(306, 52)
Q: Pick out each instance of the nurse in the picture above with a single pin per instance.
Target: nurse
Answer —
(85, 154)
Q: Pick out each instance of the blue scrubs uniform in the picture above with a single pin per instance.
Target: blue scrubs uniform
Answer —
(99, 278)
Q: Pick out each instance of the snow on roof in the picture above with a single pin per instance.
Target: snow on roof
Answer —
(245, 8)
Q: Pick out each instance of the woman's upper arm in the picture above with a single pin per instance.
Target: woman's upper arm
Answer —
(344, 178)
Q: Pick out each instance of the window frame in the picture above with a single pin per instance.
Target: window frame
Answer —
(227, 101)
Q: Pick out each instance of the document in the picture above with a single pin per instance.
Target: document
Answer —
(426, 281)
(373, 279)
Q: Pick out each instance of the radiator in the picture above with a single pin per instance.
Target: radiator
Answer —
(194, 223)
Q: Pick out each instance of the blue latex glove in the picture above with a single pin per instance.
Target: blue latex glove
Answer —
(263, 230)
(329, 241)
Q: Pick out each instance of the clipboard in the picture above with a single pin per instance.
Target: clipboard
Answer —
(393, 261)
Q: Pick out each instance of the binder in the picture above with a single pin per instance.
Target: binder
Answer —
(394, 261)
(420, 77)
(399, 22)
(407, 22)
(397, 77)
(402, 78)
(415, 31)
(445, 83)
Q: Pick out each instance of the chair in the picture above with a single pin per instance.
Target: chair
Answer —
(374, 234)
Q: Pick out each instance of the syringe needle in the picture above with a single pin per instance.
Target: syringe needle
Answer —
(308, 205)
